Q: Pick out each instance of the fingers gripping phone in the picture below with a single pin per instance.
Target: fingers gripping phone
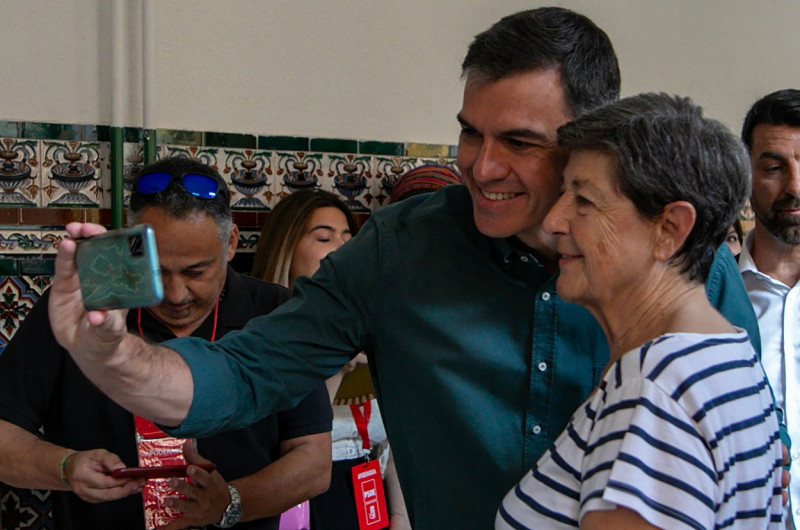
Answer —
(119, 269)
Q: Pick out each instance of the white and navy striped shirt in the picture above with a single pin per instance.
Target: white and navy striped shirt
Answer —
(682, 430)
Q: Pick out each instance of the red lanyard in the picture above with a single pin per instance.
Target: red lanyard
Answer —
(361, 422)
(213, 327)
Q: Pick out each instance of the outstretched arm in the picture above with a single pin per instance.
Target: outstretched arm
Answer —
(151, 381)
(29, 462)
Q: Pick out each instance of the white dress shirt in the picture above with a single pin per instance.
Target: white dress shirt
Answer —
(777, 308)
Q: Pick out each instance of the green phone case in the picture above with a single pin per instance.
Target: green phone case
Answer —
(119, 269)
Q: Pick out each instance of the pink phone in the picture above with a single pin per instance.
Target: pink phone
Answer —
(157, 471)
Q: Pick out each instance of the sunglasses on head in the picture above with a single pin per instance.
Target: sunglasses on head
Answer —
(200, 186)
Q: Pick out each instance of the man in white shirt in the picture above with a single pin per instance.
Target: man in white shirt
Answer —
(770, 258)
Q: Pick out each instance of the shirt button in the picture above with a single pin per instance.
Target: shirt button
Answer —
(536, 429)
(545, 296)
(542, 366)
(523, 259)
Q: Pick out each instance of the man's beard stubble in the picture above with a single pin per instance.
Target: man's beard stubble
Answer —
(784, 227)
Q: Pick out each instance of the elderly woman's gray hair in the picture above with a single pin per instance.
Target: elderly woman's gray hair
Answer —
(665, 150)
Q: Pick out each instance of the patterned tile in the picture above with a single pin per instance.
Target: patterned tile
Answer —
(387, 171)
(206, 155)
(25, 509)
(439, 161)
(104, 156)
(51, 236)
(251, 177)
(133, 156)
(350, 177)
(71, 174)
(17, 296)
(20, 172)
(22, 240)
(248, 239)
(296, 171)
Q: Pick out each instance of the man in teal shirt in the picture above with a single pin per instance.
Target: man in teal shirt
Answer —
(476, 361)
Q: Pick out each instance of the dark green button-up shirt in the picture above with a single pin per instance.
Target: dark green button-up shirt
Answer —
(477, 363)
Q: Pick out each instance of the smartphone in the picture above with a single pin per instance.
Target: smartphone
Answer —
(157, 471)
(119, 269)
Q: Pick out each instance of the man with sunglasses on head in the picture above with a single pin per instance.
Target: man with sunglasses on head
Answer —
(262, 469)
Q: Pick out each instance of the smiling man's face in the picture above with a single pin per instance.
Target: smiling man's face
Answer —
(508, 156)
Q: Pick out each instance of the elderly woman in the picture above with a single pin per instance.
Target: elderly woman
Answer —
(681, 432)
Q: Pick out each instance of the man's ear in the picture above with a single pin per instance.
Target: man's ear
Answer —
(233, 241)
(674, 224)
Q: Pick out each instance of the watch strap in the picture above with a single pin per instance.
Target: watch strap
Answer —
(233, 513)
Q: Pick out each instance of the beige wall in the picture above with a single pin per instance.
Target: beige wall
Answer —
(365, 69)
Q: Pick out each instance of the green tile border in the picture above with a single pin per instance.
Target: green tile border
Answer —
(101, 133)
(284, 143)
(132, 134)
(381, 148)
(37, 266)
(97, 133)
(179, 137)
(241, 141)
(9, 267)
(333, 145)
(9, 129)
(50, 131)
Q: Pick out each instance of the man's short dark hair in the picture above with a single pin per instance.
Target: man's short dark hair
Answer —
(779, 108)
(544, 38)
(665, 150)
(176, 202)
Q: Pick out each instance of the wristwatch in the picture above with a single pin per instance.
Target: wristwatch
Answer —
(233, 512)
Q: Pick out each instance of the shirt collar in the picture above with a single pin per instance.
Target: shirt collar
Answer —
(519, 262)
(746, 262)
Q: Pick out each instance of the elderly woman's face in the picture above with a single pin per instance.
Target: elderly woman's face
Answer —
(604, 243)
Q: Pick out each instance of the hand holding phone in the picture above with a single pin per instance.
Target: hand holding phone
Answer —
(119, 269)
(158, 471)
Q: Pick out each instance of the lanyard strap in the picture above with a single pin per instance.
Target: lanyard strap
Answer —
(361, 422)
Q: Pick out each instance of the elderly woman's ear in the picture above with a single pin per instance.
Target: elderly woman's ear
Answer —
(673, 226)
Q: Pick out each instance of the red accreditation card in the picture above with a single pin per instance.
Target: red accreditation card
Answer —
(157, 449)
(370, 500)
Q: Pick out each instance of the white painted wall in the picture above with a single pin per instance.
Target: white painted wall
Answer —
(366, 69)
